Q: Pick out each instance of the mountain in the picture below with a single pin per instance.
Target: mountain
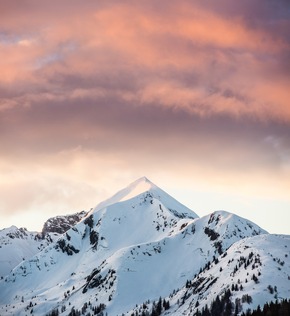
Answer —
(252, 271)
(18, 244)
(60, 224)
(142, 245)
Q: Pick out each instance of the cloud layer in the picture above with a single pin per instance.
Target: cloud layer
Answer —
(119, 89)
(231, 59)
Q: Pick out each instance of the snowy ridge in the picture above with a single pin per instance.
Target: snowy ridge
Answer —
(140, 245)
(255, 270)
(18, 244)
(143, 186)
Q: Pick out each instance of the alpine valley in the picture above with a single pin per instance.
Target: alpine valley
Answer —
(141, 252)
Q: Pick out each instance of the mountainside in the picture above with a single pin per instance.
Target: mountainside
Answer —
(141, 245)
(252, 271)
(18, 244)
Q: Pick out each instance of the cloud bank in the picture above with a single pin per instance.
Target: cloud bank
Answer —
(110, 89)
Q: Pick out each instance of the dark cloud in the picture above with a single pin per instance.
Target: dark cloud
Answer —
(110, 124)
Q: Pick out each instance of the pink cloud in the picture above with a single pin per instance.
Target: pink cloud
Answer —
(193, 57)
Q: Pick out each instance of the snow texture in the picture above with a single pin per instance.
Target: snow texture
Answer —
(137, 246)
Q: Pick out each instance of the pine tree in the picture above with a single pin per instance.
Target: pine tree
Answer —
(159, 307)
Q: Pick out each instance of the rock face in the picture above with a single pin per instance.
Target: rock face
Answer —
(141, 252)
(60, 224)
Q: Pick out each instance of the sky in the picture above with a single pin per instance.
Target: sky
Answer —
(194, 95)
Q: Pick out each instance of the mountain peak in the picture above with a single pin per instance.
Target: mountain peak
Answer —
(141, 186)
(143, 179)
(137, 187)
(136, 247)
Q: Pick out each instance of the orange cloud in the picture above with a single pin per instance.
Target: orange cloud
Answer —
(188, 56)
(95, 94)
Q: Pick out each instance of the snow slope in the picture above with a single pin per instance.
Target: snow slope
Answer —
(141, 186)
(142, 244)
(18, 244)
(256, 270)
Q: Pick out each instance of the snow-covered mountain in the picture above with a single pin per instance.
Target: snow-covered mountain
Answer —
(141, 245)
(18, 244)
(253, 270)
